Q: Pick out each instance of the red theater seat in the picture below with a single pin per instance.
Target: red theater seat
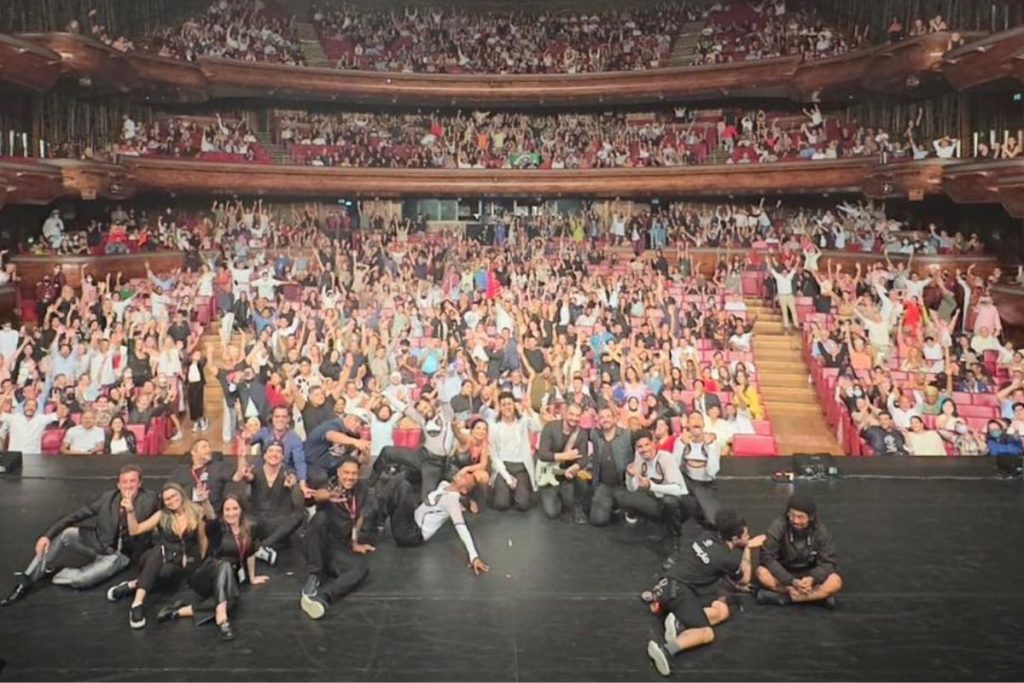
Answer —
(754, 445)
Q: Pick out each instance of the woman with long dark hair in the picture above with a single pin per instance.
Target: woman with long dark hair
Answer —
(119, 439)
(216, 581)
(180, 544)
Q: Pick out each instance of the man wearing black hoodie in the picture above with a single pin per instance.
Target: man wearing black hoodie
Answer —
(798, 560)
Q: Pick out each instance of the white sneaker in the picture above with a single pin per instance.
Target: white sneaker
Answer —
(178, 436)
(631, 518)
(659, 658)
(313, 606)
(671, 628)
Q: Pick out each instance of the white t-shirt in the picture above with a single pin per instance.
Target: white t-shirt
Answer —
(82, 440)
(26, 433)
(440, 506)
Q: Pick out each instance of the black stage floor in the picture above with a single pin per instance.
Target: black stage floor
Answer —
(931, 554)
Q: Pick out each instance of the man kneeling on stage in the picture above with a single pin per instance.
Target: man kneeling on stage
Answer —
(414, 523)
(798, 561)
(692, 593)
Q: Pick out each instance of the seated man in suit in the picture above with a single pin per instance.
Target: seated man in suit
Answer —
(702, 400)
(108, 546)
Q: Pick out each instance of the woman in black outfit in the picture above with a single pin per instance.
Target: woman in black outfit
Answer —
(232, 548)
(180, 544)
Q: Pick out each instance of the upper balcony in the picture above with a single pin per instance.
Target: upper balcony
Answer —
(887, 69)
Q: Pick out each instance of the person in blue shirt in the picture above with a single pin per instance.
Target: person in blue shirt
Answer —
(1007, 448)
(280, 431)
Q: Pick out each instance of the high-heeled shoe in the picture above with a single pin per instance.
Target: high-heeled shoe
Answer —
(225, 632)
(169, 612)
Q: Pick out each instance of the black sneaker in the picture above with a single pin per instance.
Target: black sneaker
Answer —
(659, 657)
(829, 602)
(767, 597)
(137, 617)
(267, 554)
(119, 591)
(20, 591)
(311, 587)
(579, 516)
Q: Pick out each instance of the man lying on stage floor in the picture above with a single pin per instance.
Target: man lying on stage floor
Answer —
(414, 523)
(798, 560)
(692, 595)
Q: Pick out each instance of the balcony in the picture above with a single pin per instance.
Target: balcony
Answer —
(891, 69)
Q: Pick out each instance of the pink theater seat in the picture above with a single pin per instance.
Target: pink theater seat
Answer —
(141, 442)
(52, 440)
(987, 412)
(754, 445)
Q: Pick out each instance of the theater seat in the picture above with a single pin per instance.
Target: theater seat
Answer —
(52, 440)
(408, 438)
(754, 445)
(142, 444)
(988, 412)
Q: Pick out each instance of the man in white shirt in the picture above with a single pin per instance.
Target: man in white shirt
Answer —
(26, 429)
(9, 339)
(414, 523)
(654, 486)
(784, 291)
(85, 438)
(53, 229)
(511, 454)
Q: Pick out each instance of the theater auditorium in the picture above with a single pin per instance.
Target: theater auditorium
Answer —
(511, 341)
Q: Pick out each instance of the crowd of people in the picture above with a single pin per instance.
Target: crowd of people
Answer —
(450, 374)
(481, 139)
(246, 30)
(447, 40)
(752, 31)
(183, 137)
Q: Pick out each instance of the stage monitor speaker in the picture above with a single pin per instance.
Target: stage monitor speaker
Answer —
(10, 462)
(814, 467)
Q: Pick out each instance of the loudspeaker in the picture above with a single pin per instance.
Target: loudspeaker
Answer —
(814, 467)
(10, 462)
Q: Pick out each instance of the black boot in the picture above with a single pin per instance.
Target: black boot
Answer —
(23, 588)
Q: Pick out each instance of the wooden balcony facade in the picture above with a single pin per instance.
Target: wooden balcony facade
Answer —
(39, 60)
(38, 182)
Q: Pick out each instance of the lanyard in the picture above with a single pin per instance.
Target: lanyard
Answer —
(240, 544)
(351, 504)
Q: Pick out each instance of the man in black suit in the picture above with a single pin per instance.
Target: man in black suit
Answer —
(108, 546)
(564, 477)
(702, 401)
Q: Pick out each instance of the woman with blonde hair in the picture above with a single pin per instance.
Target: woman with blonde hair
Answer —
(180, 544)
(216, 581)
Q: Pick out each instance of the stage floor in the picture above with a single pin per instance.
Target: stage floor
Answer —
(929, 563)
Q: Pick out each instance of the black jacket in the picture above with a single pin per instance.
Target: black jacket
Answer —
(786, 553)
(553, 439)
(106, 511)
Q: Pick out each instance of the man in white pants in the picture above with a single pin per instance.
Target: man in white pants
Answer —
(784, 290)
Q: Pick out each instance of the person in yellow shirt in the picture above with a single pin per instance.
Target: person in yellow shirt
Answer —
(746, 397)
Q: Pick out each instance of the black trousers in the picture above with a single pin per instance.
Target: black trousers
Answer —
(602, 501)
(215, 581)
(156, 572)
(339, 569)
(645, 503)
(702, 502)
(505, 497)
(195, 393)
(399, 502)
(570, 493)
(274, 531)
(430, 468)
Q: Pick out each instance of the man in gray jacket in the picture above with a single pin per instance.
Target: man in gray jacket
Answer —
(108, 546)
